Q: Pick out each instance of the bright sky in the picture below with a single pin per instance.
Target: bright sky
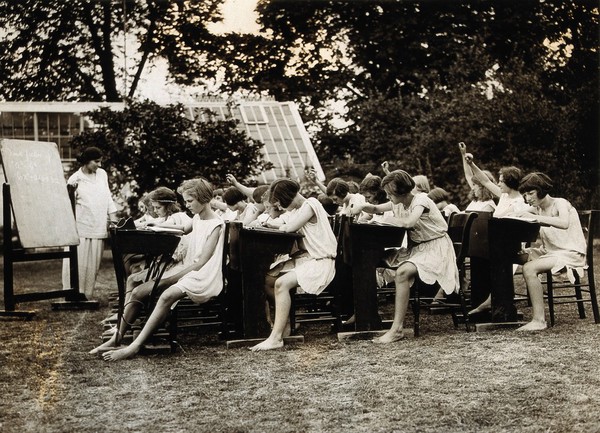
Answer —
(239, 16)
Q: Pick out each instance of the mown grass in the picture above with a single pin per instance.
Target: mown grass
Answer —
(445, 381)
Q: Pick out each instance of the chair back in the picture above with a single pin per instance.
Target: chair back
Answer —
(589, 221)
(459, 230)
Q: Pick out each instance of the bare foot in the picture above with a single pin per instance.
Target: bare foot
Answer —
(484, 306)
(534, 325)
(268, 344)
(107, 345)
(124, 353)
(389, 337)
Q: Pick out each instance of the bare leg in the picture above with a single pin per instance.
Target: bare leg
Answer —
(158, 316)
(531, 270)
(283, 285)
(131, 312)
(405, 277)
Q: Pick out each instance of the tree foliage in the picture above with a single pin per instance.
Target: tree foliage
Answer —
(75, 50)
(148, 145)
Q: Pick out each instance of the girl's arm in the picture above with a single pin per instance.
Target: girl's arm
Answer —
(374, 208)
(466, 168)
(481, 177)
(311, 175)
(560, 222)
(408, 221)
(385, 166)
(205, 255)
(247, 191)
(304, 214)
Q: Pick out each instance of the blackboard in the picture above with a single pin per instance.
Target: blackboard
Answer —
(40, 202)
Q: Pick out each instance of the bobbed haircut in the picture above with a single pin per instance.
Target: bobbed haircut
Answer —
(422, 183)
(512, 176)
(371, 184)
(338, 187)
(89, 154)
(283, 191)
(438, 195)
(537, 181)
(166, 197)
(399, 182)
(199, 188)
(258, 193)
(233, 196)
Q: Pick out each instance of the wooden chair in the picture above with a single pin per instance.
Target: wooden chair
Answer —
(583, 283)
(325, 308)
(459, 230)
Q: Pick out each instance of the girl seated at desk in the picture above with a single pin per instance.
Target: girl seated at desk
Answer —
(339, 191)
(431, 256)
(563, 243)
(200, 279)
(312, 269)
(164, 204)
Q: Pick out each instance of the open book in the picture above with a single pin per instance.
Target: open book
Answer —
(508, 217)
(160, 229)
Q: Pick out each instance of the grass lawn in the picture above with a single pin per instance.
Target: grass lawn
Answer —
(447, 380)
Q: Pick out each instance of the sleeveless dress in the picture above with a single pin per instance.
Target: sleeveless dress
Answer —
(207, 282)
(432, 251)
(568, 245)
(507, 205)
(315, 267)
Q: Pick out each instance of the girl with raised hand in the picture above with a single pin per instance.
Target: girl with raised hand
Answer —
(312, 268)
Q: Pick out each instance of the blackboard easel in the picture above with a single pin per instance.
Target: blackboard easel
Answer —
(44, 219)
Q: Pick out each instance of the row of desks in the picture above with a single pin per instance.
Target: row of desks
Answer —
(494, 246)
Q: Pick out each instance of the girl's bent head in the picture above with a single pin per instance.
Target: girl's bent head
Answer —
(338, 187)
(166, 198)
(536, 181)
(283, 192)
(233, 196)
(511, 176)
(398, 182)
(200, 189)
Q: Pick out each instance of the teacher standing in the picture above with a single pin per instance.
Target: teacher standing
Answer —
(94, 209)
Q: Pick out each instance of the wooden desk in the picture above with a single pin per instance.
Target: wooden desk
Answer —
(495, 243)
(155, 246)
(505, 238)
(257, 249)
(367, 243)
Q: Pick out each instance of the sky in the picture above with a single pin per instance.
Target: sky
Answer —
(239, 16)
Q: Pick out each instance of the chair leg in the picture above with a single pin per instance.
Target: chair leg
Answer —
(293, 311)
(579, 297)
(173, 330)
(593, 296)
(550, 297)
(463, 306)
(416, 308)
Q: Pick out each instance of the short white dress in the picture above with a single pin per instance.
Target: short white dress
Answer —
(507, 205)
(207, 282)
(568, 245)
(315, 265)
(431, 249)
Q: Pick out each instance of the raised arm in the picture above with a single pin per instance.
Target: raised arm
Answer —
(310, 175)
(481, 177)
(385, 166)
(466, 167)
(247, 191)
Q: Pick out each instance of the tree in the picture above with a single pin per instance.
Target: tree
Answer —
(71, 50)
(148, 145)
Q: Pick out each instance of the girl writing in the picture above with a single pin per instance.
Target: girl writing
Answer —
(200, 278)
(563, 243)
(312, 268)
(431, 256)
